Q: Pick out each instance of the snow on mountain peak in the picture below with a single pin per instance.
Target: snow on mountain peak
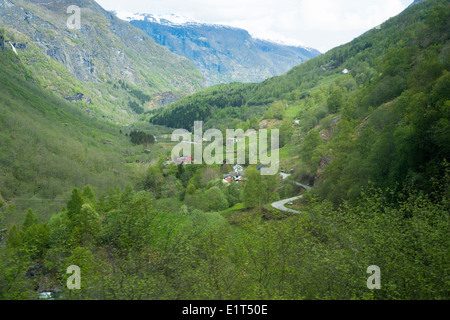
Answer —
(177, 20)
(168, 19)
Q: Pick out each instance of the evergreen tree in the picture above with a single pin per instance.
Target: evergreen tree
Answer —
(30, 220)
(74, 207)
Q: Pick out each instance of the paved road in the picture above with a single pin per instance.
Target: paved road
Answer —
(280, 204)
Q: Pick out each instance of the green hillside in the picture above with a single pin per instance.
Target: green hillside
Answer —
(391, 112)
(48, 146)
(373, 144)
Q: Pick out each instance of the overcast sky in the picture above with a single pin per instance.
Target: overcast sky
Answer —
(320, 24)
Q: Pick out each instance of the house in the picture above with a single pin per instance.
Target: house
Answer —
(227, 180)
(284, 176)
(238, 168)
(232, 176)
(345, 71)
(180, 160)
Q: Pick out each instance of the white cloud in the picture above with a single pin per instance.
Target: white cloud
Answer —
(321, 24)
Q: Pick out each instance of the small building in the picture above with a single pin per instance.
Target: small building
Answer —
(232, 176)
(227, 180)
(180, 160)
(232, 140)
(345, 71)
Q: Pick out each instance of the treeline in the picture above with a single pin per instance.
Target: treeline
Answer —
(141, 98)
(141, 137)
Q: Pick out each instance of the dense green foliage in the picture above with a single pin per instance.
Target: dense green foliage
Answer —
(128, 248)
(140, 137)
(48, 147)
(387, 121)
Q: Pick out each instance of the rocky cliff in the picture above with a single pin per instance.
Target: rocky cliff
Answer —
(223, 54)
(103, 48)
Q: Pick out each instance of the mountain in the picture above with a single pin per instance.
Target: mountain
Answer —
(223, 54)
(48, 146)
(104, 54)
(375, 109)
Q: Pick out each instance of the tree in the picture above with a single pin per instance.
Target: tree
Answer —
(234, 194)
(90, 222)
(206, 175)
(171, 188)
(14, 238)
(140, 137)
(30, 220)
(154, 180)
(88, 194)
(136, 107)
(226, 168)
(286, 132)
(2, 203)
(172, 170)
(36, 239)
(215, 199)
(74, 206)
(278, 110)
(336, 100)
(252, 194)
(190, 189)
(310, 151)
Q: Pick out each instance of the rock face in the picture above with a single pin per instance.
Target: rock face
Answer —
(79, 97)
(165, 98)
(104, 48)
(223, 54)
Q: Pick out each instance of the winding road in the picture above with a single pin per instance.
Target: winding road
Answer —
(280, 204)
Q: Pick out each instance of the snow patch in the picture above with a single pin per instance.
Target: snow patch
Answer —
(283, 42)
(166, 19)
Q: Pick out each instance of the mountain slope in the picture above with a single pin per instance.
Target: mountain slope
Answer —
(48, 146)
(386, 120)
(103, 54)
(223, 54)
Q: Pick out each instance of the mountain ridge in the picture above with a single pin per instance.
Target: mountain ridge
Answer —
(223, 54)
(104, 54)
